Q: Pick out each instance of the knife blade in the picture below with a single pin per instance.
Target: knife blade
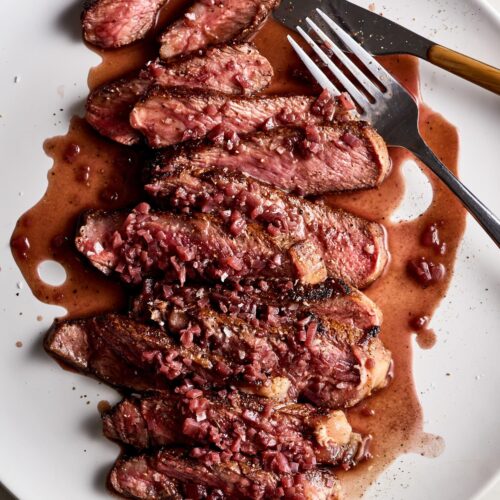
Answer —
(377, 34)
(381, 36)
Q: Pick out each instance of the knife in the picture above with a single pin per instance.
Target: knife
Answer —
(380, 36)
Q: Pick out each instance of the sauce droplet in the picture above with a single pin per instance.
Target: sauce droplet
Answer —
(71, 153)
(103, 406)
(426, 272)
(431, 237)
(20, 246)
(426, 338)
(82, 174)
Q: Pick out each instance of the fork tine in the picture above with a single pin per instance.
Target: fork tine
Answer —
(359, 75)
(348, 85)
(367, 59)
(320, 77)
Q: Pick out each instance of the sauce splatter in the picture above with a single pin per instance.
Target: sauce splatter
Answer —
(91, 172)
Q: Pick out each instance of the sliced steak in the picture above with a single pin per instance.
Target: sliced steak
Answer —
(264, 302)
(209, 22)
(172, 247)
(175, 475)
(231, 69)
(76, 344)
(108, 108)
(246, 201)
(237, 69)
(314, 161)
(115, 23)
(234, 423)
(176, 248)
(168, 117)
(323, 363)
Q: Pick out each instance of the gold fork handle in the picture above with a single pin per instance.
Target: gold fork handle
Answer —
(475, 71)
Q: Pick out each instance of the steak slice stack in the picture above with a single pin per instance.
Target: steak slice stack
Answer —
(227, 425)
(168, 117)
(242, 201)
(324, 363)
(214, 21)
(174, 475)
(115, 23)
(231, 69)
(263, 302)
(215, 247)
(317, 160)
(246, 336)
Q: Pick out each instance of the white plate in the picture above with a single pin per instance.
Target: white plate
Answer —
(50, 443)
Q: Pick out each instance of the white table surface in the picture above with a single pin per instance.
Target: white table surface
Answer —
(492, 494)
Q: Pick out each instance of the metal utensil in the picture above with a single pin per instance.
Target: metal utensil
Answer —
(380, 35)
(392, 111)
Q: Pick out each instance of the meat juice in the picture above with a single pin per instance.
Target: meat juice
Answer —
(92, 172)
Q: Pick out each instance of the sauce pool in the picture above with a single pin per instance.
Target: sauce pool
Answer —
(91, 172)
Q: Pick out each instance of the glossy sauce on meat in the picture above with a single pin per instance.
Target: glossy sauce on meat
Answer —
(397, 425)
(91, 172)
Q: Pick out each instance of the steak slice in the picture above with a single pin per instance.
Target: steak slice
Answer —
(214, 21)
(314, 161)
(237, 69)
(175, 475)
(231, 69)
(234, 423)
(168, 117)
(76, 344)
(264, 302)
(176, 248)
(324, 363)
(115, 23)
(283, 217)
(173, 247)
(108, 108)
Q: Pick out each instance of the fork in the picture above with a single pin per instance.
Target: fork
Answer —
(392, 111)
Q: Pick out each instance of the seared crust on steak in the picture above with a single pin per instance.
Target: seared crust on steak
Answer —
(342, 157)
(115, 23)
(231, 69)
(324, 363)
(264, 302)
(212, 22)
